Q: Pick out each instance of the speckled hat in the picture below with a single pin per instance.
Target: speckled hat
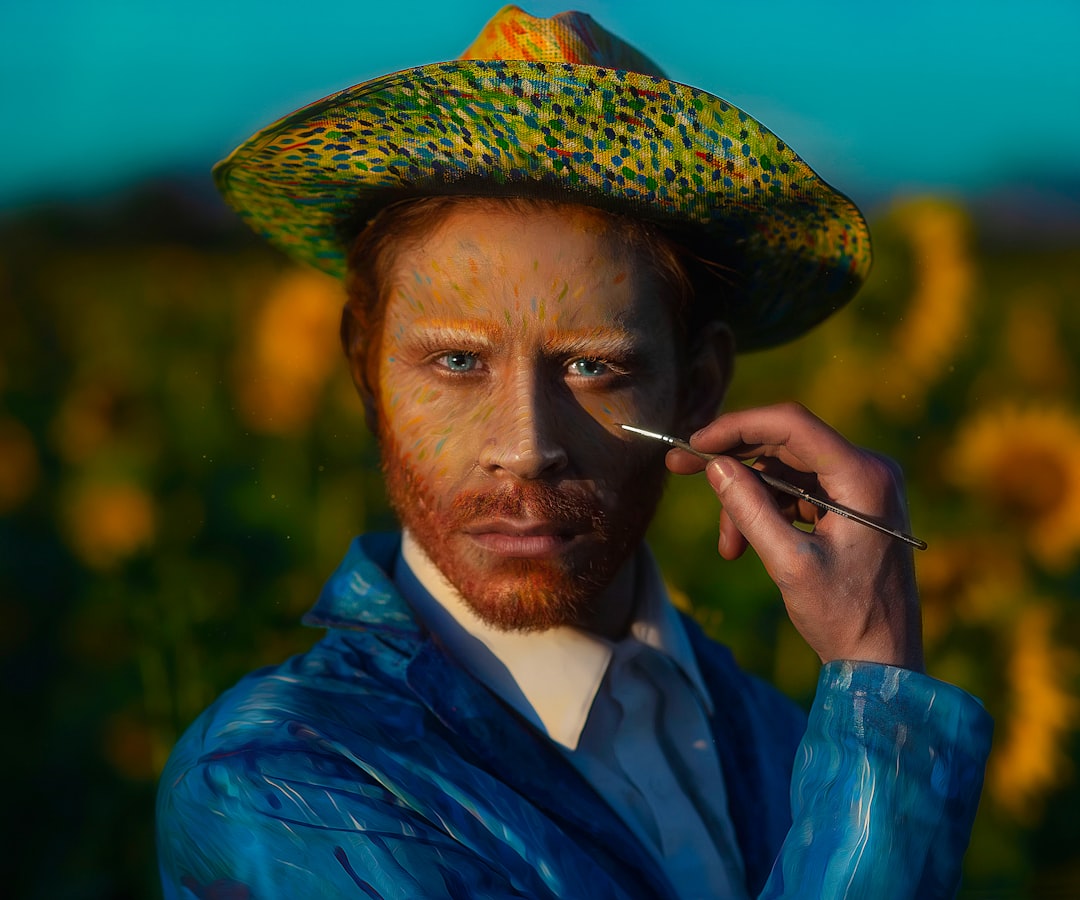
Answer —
(562, 108)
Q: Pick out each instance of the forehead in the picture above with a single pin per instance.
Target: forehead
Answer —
(563, 264)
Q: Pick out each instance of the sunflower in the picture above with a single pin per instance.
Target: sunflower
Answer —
(939, 308)
(134, 747)
(1030, 758)
(855, 365)
(843, 382)
(86, 421)
(1033, 353)
(969, 581)
(291, 351)
(1025, 463)
(21, 469)
(107, 522)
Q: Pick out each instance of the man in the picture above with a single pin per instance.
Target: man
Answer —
(506, 704)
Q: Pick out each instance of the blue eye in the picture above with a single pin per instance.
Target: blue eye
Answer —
(459, 361)
(589, 368)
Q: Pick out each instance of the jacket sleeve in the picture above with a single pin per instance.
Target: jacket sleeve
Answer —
(885, 787)
(230, 828)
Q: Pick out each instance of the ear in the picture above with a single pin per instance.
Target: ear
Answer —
(356, 361)
(371, 409)
(707, 377)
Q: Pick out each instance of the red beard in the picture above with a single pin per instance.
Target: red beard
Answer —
(523, 594)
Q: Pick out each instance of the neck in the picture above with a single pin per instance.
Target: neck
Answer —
(611, 612)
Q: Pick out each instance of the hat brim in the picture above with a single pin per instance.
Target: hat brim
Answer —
(628, 142)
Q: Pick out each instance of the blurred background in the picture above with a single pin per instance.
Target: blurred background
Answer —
(183, 461)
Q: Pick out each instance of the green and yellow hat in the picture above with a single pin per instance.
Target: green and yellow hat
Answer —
(562, 108)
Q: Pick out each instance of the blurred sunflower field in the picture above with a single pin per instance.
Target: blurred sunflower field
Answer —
(183, 461)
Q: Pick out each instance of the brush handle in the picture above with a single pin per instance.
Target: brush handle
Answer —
(786, 488)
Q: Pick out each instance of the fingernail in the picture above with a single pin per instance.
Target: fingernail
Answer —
(723, 469)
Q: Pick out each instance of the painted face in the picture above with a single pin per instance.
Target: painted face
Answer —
(513, 344)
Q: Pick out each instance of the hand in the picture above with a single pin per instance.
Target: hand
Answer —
(849, 590)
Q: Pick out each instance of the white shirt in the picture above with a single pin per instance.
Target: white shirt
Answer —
(631, 716)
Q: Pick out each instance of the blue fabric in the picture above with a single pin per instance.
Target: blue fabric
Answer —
(373, 766)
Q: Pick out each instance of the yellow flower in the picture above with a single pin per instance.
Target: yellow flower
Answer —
(133, 747)
(1025, 462)
(969, 581)
(1033, 351)
(843, 380)
(85, 422)
(937, 314)
(20, 470)
(108, 522)
(852, 364)
(1030, 758)
(292, 349)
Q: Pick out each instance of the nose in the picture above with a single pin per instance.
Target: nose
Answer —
(525, 439)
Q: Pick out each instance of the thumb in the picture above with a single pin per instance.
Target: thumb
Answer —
(749, 506)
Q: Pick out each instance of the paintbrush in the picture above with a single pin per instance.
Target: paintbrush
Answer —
(786, 488)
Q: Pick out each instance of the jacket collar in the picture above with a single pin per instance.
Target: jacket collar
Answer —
(361, 596)
(505, 745)
(550, 677)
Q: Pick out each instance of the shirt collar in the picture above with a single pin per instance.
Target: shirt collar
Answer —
(551, 677)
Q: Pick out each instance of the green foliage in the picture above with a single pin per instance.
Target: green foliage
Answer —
(181, 472)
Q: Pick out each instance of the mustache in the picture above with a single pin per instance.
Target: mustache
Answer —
(571, 506)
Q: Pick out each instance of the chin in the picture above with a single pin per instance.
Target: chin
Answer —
(522, 595)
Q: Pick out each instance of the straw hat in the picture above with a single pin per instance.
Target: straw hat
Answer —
(562, 108)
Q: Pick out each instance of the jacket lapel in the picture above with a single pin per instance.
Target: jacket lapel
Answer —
(497, 740)
(361, 596)
(748, 795)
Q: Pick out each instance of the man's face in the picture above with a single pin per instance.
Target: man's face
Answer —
(512, 346)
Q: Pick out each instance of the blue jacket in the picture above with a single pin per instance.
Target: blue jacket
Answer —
(374, 766)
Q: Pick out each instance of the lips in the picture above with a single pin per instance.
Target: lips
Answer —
(527, 509)
(527, 520)
(524, 538)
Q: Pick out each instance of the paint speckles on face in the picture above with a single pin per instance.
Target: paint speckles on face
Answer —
(503, 398)
(426, 394)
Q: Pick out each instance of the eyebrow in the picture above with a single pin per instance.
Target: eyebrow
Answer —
(457, 331)
(615, 342)
(598, 341)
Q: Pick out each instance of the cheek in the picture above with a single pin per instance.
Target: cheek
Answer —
(434, 429)
(621, 465)
(654, 406)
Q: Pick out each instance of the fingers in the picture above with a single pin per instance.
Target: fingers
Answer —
(750, 514)
(682, 463)
(731, 542)
(788, 431)
(791, 443)
(850, 590)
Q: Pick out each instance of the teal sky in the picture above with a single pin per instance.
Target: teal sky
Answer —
(880, 98)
